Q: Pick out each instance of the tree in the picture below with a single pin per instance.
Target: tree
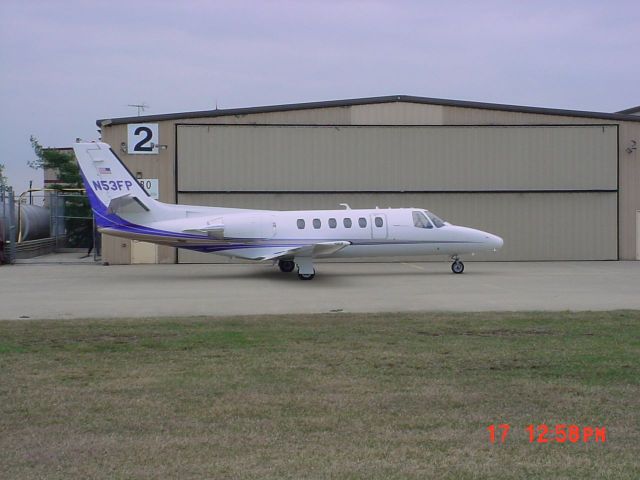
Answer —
(77, 212)
(63, 163)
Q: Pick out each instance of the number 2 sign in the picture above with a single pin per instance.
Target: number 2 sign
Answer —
(142, 138)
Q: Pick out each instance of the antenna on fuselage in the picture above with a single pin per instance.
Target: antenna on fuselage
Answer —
(346, 206)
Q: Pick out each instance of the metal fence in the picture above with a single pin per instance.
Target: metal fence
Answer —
(67, 224)
(72, 222)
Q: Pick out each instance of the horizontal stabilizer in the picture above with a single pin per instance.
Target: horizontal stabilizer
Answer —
(118, 203)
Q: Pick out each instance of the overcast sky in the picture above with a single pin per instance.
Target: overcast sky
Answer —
(64, 64)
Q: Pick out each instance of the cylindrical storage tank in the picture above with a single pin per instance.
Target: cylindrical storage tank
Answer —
(34, 222)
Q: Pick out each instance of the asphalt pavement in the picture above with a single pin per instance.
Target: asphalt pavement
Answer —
(57, 290)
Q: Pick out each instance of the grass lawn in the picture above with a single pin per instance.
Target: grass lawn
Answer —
(319, 396)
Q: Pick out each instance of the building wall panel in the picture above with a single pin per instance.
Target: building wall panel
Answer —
(161, 166)
(482, 116)
(629, 187)
(314, 116)
(397, 114)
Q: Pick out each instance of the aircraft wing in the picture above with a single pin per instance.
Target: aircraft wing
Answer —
(313, 250)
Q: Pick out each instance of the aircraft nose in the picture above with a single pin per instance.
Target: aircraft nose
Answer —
(495, 241)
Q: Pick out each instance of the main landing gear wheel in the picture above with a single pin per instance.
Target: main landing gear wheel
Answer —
(457, 267)
(306, 276)
(286, 266)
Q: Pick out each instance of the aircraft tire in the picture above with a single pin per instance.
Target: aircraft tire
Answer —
(457, 267)
(286, 266)
(307, 276)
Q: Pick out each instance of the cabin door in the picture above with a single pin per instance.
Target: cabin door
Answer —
(378, 226)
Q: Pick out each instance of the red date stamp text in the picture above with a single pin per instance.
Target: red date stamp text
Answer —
(559, 433)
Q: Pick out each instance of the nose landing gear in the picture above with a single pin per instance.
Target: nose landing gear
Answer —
(305, 267)
(457, 266)
(306, 276)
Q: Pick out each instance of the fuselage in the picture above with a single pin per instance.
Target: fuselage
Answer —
(370, 232)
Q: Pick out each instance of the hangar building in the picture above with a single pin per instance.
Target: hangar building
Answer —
(555, 184)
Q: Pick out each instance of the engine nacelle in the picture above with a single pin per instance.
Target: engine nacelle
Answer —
(249, 226)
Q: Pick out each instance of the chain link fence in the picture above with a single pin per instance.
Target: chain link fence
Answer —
(46, 221)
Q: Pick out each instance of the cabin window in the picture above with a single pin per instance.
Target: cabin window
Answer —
(379, 222)
(362, 222)
(347, 223)
(316, 223)
(438, 222)
(333, 223)
(420, 220)
(300, 223)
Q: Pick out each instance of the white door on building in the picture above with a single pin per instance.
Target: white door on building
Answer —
(143, 252)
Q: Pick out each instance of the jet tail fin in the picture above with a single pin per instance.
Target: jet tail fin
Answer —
(115, 195)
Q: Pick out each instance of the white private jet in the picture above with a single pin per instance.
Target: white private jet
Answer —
(122, 208)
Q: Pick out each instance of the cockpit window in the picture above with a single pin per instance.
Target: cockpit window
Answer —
(420, 220)
(438, 222)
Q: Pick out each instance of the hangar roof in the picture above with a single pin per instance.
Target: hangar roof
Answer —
(630, 111)
(372, 100)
